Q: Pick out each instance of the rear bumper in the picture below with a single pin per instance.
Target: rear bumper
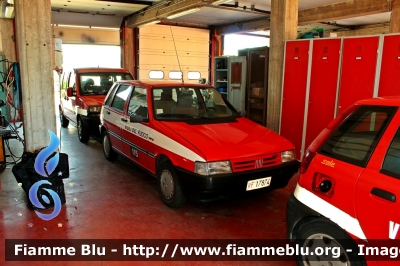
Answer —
(296, 211)
(209, 189)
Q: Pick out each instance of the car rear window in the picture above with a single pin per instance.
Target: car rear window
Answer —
(357, 136)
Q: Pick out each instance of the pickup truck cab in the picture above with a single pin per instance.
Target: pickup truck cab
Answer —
(82, 93)
(193, 141)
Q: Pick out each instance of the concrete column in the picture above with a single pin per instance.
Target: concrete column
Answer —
(284, 18)
(395, 20)
(129, 50)
(34, 48)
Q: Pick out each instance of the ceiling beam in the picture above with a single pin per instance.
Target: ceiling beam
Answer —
(342, 10)
(163, 9)
(244, 26)
(365, 30)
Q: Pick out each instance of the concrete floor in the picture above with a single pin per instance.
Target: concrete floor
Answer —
(117, 200)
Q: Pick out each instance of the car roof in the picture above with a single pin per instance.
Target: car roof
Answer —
(160, 83)
(387, 100)
(99, 69)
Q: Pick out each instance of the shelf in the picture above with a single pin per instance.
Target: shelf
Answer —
(223, 92)
(221, 70)
(221, 81)
(257, 97)
(255, 107)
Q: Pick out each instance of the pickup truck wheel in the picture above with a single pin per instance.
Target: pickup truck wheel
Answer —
(64, 121)
(83, 132)
(320, 235)
(108, 152)
(169, 187)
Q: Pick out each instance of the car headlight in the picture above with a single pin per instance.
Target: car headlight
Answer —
(288, 156)
(213, 168)
(94, 109)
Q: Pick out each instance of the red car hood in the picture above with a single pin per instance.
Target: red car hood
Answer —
(230, 140)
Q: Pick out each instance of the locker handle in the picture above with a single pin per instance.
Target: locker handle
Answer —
(383, 194)
(124, 119)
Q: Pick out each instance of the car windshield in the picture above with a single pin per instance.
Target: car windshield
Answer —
(191, 103)
(100, 83)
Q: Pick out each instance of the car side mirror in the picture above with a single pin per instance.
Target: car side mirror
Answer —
(137, 119)
(69, 92)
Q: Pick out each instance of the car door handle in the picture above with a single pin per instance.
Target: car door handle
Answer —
(383, 194)
(124, 119)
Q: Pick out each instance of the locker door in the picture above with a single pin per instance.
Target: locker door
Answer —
(358, 70)
(294, 91)
(389, 82)
(323, 86)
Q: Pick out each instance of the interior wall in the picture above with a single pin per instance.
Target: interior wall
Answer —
(81, 35)
(7, 37)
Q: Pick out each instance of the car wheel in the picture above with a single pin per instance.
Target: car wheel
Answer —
(169, 187)
(108, 152)
(320, 235)
(83, 132)
(64, 121)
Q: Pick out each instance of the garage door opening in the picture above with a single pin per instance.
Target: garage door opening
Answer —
(83, 55)
(235, 42)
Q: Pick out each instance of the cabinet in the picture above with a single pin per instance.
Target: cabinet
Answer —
(256, 84)
(230, 80)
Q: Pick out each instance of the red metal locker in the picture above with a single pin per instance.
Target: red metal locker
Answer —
(358, 70)
(294, 91)
(389, 82)
(323, 86)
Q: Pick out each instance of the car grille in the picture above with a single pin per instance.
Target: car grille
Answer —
(255, 163)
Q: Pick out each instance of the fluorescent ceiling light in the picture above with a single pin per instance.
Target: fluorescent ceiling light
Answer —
(149, 23)
(216, 3)
(9, 12)
(11, 2)
(182, 13)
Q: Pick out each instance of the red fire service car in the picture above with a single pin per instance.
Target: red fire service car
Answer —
(193, 141)
(347, 191)
(82, 93)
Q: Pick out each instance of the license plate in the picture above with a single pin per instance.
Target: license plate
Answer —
(258, 183)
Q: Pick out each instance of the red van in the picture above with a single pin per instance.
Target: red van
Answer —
(82, 93)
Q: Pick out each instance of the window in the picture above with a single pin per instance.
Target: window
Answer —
(391, 163)
(175, 75)
(72, 82)
(110, 95)
(156, 74)
(99, 83)
(356, 138)
(193, 75)
(138, 102)
(120, 97)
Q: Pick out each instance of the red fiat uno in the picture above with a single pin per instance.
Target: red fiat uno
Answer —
(193, 141)
(347, 191)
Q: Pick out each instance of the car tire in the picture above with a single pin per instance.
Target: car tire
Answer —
(64, 121)
(108, 152)
(83, 132)
(169, 187)
(322, 233)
